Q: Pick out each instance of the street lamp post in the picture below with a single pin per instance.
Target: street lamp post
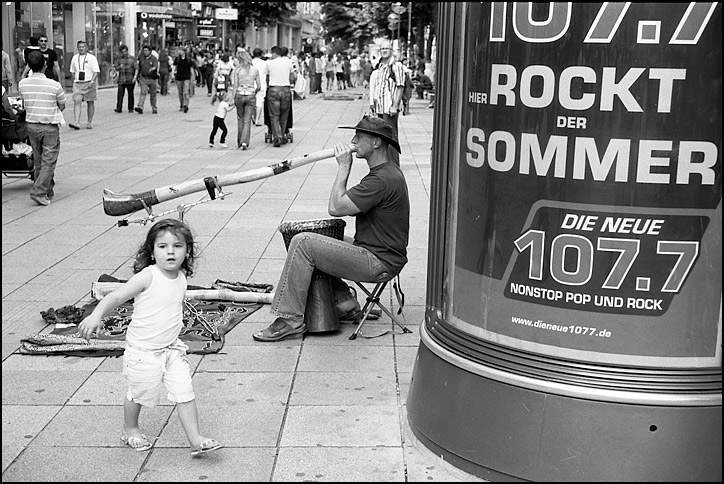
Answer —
(393, 19)
(409, 30)
(399, 9)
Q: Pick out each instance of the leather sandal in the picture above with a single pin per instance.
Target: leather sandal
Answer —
(279, 330)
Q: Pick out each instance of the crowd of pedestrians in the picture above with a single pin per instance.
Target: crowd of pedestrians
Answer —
(259, 85)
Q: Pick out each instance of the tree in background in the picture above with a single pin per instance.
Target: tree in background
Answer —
(265, 14)
(347, 23)
(359, 23)
(423, 15)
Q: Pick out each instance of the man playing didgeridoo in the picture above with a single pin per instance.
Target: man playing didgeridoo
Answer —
(381, 206)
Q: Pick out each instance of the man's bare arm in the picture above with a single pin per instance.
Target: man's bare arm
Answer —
(339, 203)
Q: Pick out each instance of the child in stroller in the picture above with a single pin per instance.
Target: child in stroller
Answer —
(17, 160)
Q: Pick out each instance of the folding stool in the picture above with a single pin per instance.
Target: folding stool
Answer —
(373, 299)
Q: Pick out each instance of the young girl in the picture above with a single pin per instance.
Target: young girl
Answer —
(154, 356)
(221, 111)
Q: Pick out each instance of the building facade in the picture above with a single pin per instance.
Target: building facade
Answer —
(107, 25)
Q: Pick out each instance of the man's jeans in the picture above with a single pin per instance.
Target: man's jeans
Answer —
(183, 92)
(122, 88)
(45, 141)
(280, 105)
(163, 82)
(338, 258)
(148, 86)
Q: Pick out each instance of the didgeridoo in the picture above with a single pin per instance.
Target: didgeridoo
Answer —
(116, 204)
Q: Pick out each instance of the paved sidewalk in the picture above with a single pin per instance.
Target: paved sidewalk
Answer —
(318, 408)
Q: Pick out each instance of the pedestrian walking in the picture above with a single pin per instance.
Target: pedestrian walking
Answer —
(207, 72)
(279, 94)
(182, 68)
(219, 122)
(367, 67)
(320, 63)
(389, 86)
(329, 72)
(339, 72)
(347, 70)
(7, 67)
(164, 68)
(154, 356)
(52, 71)
(222, 76)
(147, 79)
(85, 69)
(125, 66)
(261, 66)
(355, 68)
(44, 101)
(311, 70)
(246, 83)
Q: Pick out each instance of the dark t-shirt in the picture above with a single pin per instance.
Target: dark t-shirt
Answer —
(163, 59)
(183, 68)
(51, 57)
(383, 225)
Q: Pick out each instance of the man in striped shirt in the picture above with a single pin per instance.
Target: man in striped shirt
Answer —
(389, 87)
(43, 100)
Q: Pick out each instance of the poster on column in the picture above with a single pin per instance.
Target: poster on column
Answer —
(588, 221)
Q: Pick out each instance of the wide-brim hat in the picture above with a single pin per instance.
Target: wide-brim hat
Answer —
(377, 127)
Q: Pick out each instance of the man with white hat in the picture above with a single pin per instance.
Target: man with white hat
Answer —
(381, 206)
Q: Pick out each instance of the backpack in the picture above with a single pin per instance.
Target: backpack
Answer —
(409, 86)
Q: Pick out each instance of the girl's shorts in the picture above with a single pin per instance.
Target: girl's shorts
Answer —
(148, 372)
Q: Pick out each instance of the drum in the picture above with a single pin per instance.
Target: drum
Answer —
(320, 315)
(332, 227)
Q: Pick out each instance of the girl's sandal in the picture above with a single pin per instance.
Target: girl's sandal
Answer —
(139, 444)
(207, 445)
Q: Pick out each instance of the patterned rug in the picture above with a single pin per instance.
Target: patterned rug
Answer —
(206, 322)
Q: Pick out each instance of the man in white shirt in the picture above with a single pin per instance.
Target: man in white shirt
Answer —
(260, 64)
(279, 94)
(85, 69)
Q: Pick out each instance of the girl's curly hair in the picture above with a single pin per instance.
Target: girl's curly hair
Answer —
(180, 230)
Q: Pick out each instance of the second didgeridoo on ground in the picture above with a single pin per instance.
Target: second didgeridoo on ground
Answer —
(119, 204)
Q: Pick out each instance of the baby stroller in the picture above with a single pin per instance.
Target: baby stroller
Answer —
(268, 136)
(17, 155)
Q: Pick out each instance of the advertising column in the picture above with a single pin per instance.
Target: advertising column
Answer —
(583, 239)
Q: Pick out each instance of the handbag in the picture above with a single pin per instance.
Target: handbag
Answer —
(114, 75)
